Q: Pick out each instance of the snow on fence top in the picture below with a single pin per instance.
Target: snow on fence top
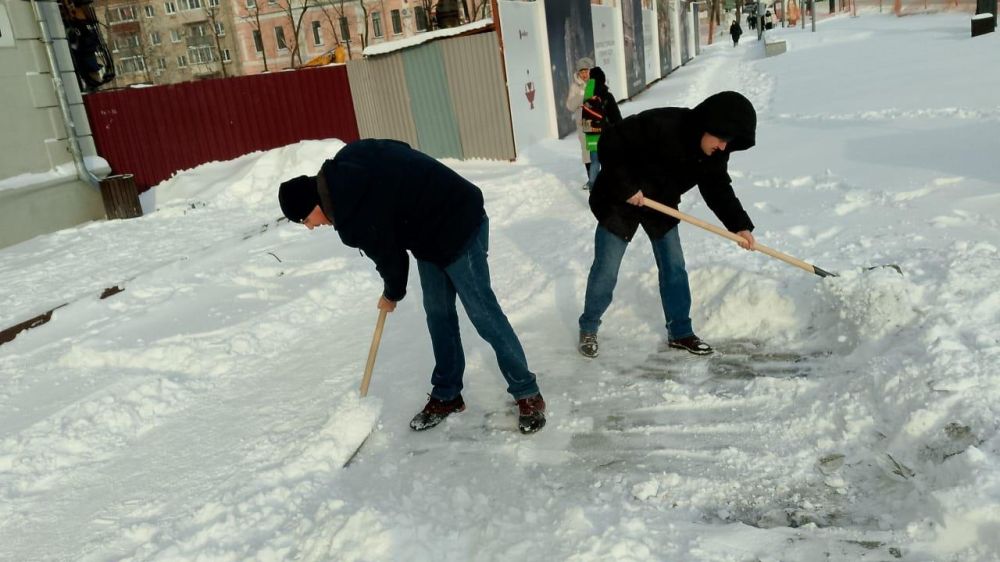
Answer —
(392, 46)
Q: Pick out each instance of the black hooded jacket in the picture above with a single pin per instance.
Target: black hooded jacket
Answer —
(659, 152)
(386, 198)
(605, 103)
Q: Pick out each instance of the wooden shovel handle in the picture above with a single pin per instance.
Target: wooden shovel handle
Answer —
(372, 352)
(647, 202)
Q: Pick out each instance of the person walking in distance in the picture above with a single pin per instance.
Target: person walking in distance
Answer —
(735, 31)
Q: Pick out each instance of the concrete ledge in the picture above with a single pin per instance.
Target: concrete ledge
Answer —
(774, 47)
(47, 206)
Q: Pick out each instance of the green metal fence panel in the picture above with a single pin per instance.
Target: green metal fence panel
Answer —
(479, 96)
(430, 101)
(382, 99)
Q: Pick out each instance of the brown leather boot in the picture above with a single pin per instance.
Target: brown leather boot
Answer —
(531, 414)
(435, 412)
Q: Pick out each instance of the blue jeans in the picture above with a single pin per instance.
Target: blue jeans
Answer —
(595, 168)
(468, 277)
(675, 293)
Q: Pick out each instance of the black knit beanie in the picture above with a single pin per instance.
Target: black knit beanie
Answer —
(298, 197)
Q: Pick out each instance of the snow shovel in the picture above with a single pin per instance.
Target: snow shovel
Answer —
(367, 378)
(372, 352)
(735, 238)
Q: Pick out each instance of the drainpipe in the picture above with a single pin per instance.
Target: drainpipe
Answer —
(82, 172)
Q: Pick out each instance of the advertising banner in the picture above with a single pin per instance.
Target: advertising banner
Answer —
(529, 83)
(570, 36)
(635, 63)
(665, 34)
(609, 54)
(652, 46)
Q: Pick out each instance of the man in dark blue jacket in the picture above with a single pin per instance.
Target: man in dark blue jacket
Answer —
(385, 198)
(661, 154)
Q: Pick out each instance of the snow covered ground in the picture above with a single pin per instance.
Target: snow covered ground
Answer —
(205, 412)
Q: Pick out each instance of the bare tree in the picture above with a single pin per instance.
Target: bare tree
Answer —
(213, 19)
(332, 14)
(333, 11)
(253, 18)
(144, 51)
(364, 20)
(295, 20)
(479, 9)
(714, 18)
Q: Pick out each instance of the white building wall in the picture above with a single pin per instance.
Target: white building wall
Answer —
(39, 192)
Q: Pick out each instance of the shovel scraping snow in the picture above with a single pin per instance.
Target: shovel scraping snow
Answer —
(736, 238)
(367, 378)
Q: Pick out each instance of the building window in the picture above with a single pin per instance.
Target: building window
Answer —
(345, 30)
(420, 18)
(122, 14)
(201, 55)
(161, 63)
(317, 36)
(190, 4)
(197, 31)
(258, 42)
(279, 37)
(226, 55)
(213, 3)
(397, 22)
(220, 29)
(154, 38)
(377, 23)
(251, 4)
(131, 65)
(182, 61)
(150, 10)
(170, 7)
(175, 36)
(133, 40)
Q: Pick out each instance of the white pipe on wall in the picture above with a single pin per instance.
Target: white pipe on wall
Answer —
(82, 172)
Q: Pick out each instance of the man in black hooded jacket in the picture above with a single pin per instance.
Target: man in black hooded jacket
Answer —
(661, 154)
(385, 198)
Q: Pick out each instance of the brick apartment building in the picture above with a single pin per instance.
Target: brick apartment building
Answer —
(168, 41)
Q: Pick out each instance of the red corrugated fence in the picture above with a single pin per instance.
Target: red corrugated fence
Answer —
(156, 131)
